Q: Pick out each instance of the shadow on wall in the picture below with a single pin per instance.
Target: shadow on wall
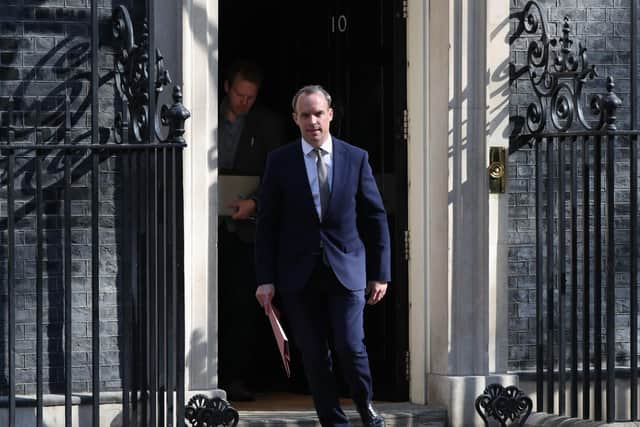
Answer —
(39, 109)
(197, 346)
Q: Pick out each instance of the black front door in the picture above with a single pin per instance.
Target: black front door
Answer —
(367, 79)
(357, 51)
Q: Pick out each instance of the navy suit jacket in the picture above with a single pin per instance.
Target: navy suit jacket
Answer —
(354, 232)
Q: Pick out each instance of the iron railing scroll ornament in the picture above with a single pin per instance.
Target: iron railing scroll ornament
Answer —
(558, 74)
(509, 406)
(132, 83)
(204, 412)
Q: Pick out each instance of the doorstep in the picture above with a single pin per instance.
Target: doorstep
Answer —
(395, 414)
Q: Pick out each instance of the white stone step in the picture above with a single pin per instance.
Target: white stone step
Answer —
(395, 414)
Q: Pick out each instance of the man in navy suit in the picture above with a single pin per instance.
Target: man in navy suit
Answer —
(322, 240)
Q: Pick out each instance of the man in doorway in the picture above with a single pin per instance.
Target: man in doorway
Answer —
(246, 134)
(309, 248)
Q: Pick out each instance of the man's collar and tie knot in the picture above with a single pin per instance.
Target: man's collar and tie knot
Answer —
(326, 146)
(318, 162)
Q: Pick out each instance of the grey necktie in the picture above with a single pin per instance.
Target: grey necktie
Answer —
(323, 182)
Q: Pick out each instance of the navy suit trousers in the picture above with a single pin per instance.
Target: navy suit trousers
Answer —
(326, 312)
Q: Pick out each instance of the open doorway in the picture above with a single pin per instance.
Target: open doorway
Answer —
(357, 52)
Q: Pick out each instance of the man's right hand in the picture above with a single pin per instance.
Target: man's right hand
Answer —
(265, 294)
(243, 208)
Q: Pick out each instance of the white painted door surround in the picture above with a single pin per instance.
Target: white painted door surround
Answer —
(457, 51)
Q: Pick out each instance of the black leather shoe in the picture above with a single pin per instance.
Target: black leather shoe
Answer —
(370, 418)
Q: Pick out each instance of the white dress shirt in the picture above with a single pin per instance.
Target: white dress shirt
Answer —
(310, 163)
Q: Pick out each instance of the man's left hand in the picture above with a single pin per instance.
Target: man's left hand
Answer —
(375, 291)
(244, 208)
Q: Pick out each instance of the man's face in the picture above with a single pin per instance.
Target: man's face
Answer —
(241, 95)
(313, 116)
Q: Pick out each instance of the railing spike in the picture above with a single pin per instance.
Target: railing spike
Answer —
(125, 121)
(38, 121)
(67, 110)
(10, 112)
(38, 111)
(10, 120)
(12, 132)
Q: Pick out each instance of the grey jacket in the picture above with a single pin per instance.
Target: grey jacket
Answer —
(263, 131)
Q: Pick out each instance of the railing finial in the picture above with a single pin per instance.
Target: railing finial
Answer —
(611, 103)
(175, 116)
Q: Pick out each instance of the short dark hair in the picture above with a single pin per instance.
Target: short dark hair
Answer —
(245, 69)
(308, 90)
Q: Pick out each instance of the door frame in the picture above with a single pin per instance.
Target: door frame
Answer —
(197, 42)
(427, 83)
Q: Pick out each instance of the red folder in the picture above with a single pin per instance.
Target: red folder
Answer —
(281, 340)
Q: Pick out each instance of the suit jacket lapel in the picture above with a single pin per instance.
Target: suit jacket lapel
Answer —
(337, 173)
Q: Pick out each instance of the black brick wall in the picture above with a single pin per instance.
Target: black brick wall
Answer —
(45, 53)
(604, 27)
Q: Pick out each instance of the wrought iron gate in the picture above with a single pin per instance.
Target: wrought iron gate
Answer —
(131, 186)
(586, 210)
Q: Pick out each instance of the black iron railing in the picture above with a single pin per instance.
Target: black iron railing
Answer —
(152, 292)
(144, 161)
(586, 210)
(579, 264)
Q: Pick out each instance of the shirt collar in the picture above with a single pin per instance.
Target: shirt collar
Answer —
(326, 146)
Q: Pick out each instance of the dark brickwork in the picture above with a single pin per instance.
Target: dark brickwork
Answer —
(604, 27)
(45, 52)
